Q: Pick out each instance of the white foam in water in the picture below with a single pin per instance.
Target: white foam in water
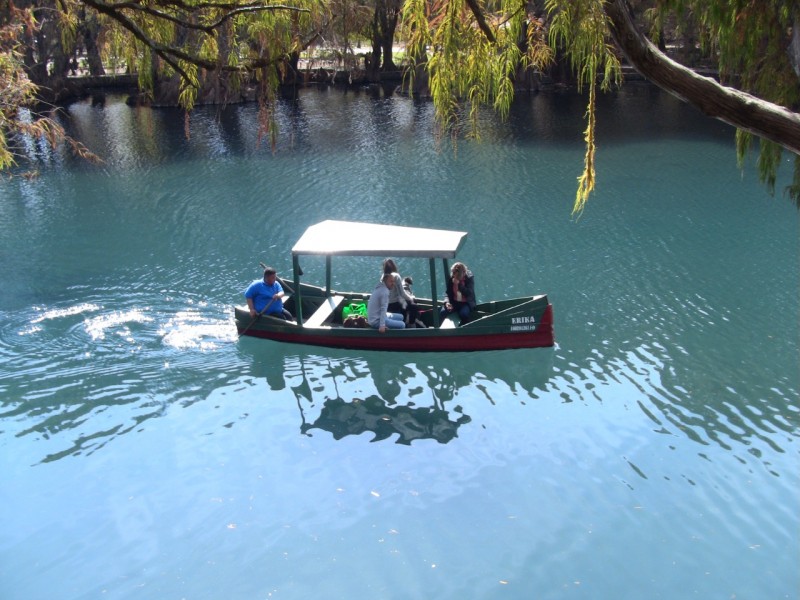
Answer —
(97, 327)
(58, 313)
(189, 329)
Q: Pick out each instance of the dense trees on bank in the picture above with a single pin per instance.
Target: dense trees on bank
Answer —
(462, 53)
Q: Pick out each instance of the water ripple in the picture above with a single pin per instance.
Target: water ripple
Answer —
(64, 366)
(661, 433)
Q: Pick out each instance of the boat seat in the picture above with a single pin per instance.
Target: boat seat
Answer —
(324, 312)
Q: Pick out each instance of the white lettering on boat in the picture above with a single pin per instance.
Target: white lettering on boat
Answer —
(523, 323)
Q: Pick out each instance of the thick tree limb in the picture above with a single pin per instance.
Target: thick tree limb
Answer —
(173, 54)
(742, 110)
(480, 18)
(169, 54)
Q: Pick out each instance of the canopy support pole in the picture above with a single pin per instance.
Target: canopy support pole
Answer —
(328, 275)
(298, 299)
(434, 294)
(446, 268)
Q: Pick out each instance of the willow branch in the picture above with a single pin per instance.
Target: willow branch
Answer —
(250, 9)
(481, 20)
(232, 11)
(744, 111)
(167, 53)
(172, 54)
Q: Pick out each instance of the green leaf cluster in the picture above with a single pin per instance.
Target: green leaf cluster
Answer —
(581, 29)
(750, 42)
(18, 92)
(472, 55)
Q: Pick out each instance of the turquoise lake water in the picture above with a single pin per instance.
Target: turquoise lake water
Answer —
(149, 453)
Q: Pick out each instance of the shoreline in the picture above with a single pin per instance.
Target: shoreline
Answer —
(83, 86)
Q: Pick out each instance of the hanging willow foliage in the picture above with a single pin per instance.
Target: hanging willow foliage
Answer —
(471, 59)
(581, 28)
(470, 54)
(158, 39)
(472, 50)
(18, 92)
(474, 60)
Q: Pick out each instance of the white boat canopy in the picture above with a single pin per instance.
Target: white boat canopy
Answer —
(347, 238)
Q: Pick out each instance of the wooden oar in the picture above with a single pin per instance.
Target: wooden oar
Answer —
(254, 319)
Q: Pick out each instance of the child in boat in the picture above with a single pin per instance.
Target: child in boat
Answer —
(407, 284)
(407, 287)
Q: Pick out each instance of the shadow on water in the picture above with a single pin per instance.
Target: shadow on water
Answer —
(412, 396)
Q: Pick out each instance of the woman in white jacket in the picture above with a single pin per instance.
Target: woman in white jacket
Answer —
(400, 301)
(378, 315)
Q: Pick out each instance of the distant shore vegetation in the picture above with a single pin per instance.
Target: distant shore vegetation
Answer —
(461, 54)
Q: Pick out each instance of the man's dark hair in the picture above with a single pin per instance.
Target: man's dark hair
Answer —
(269, 271)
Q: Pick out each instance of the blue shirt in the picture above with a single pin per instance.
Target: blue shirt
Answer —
(261, 293)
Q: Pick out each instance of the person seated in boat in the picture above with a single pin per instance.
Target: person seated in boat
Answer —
(400, 299)
(460, 293)
(378, 315)
(265, 296)
(408, 284)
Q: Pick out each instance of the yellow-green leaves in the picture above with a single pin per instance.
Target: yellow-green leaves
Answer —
(209, 50)
(416, 29)
(472, 54)
(580, 27)
(17, 93)
(188, 86)
(67, 25)
(586, 178)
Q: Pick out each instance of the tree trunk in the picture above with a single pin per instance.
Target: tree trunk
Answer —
(388, 62)
(389, 25)
(91, 29)
(794, 48)
(372, 62)
(742, 110)
(384, 23)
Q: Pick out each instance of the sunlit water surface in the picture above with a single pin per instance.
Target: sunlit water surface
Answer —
(149, 453)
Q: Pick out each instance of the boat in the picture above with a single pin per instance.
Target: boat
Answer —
(319, 311)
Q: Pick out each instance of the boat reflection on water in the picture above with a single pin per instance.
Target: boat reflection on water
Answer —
(342, 418)
(404, 397)
(360, 395)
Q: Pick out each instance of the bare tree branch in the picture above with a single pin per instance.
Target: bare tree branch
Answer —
(249, 9)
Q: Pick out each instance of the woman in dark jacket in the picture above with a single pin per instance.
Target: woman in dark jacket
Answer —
(460, 293)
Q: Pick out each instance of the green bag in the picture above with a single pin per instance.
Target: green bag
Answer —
(354, 308)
